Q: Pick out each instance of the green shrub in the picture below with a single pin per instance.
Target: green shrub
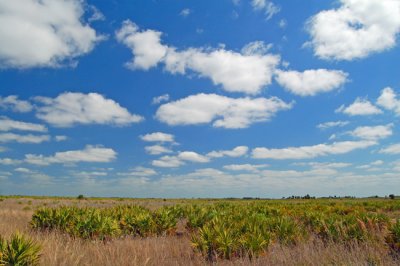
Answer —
(393, 239)
(19, 251)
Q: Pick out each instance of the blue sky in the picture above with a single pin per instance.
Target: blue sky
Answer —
(225, 98)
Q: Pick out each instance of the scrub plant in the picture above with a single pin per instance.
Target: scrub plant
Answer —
(19, 250)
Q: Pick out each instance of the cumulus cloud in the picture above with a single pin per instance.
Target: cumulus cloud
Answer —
(236, 152)
(222, 111)
(237, 72)
(72, 108)
(160, 99)
(311, 82)
(388, 100)
(373, 132)
(7, 124)
(185, 12)
(13, 103)
(158, 137)
(167, 162)
(359, 107)
(331, 124)
(60, 138)
(180, 159)
(9, 161)
(356, 29)
(157, 149)
(140, 171)
(29, 138)
(145, 45)
(307, 152)
(269, 8)
(192, 156)
(245, 167)
(46, 33)
(23, 170)
(323, 165)
(90, 154)
(392, 149)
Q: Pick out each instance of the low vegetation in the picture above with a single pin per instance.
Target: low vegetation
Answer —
(19, 250)
(72, 231)
(233, 229)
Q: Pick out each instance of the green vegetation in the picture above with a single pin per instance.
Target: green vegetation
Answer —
(19, 251)
(230, 229)
(104, 224)
(393, 239)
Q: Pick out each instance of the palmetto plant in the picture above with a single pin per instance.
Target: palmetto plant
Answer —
(393, 239)
(19, 251)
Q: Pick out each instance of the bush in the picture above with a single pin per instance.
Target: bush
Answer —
(19, 251)
(81, 197)
(393, 239)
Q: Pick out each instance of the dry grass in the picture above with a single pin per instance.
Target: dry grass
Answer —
(59, 249)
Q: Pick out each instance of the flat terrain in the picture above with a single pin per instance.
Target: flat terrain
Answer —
(177, 248)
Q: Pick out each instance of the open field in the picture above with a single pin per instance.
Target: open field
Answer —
(197, 232)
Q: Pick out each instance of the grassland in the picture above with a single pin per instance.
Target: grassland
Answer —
(199, 232)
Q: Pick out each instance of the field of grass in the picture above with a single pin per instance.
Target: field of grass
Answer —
(199, 232)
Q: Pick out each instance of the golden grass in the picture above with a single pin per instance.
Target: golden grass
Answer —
(59, 249)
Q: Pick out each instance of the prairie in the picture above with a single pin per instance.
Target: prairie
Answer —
(104, 231)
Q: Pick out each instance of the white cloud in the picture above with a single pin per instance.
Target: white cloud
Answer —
(388, 100)
(23, 170)
(307, 152)
(71, 108)
(324, 165)
(282, 23)
(359, 107)
(91, 154)
(29, 138)
(331, 124)
(392, 149)
(269, 8)
(145, 45)
(373, 132)
(96, 14)
(311, 82)
(158, 137)
(46, 33)
(13, 103)
(221, 110)
(160, 99)
(140, 171)
(236, 152)
(9, 161)
(236, 72)
(167, 162)
(185, 12)
(157, 149)
(60, 138)
(192, 156)
(256, 48)
(356, 29)
(245, 167)
(179, 160)
(7, 124)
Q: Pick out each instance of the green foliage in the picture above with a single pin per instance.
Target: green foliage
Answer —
(232, 229)
(19, 251)
(107, 223)
(393, 239)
